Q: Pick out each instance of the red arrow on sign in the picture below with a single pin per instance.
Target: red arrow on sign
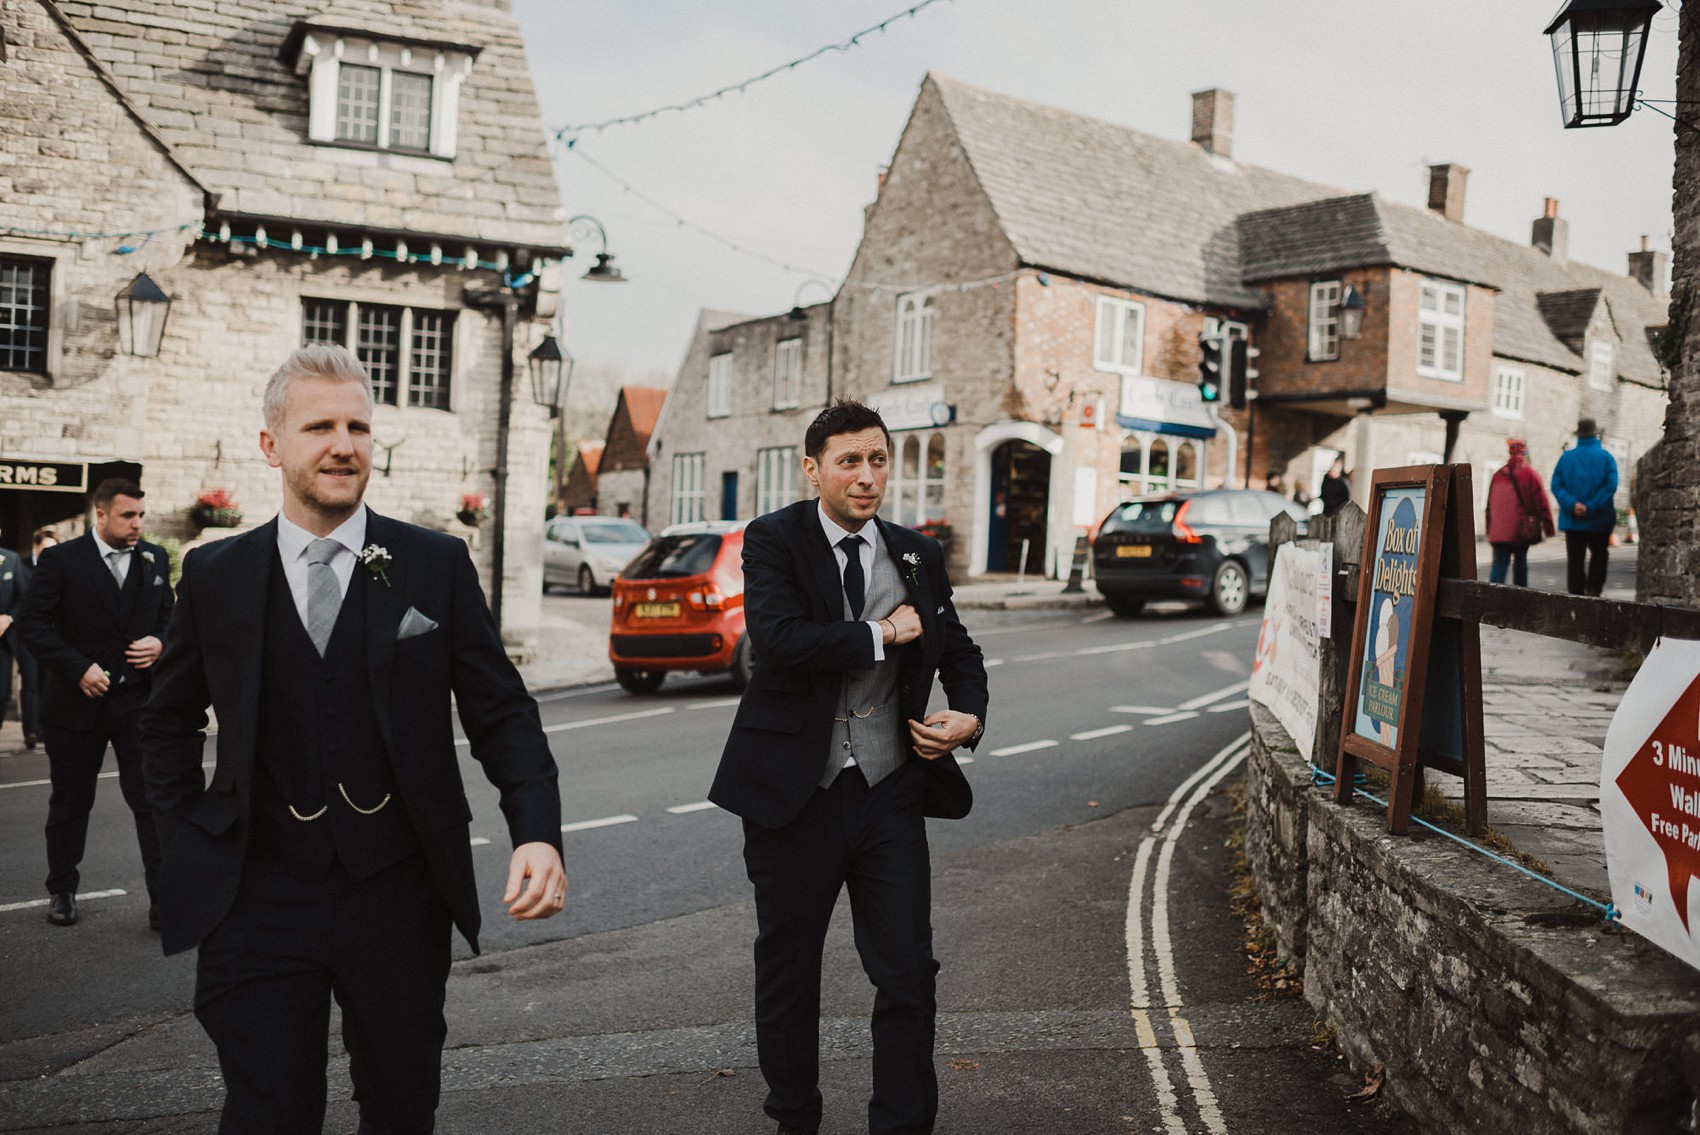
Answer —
(1662, 784)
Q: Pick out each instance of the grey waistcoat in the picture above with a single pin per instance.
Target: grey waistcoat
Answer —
(868, 723)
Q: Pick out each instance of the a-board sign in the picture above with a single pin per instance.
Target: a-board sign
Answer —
(1413, 689)
(1285, 669)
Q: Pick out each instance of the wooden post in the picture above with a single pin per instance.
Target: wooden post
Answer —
(1345, 529)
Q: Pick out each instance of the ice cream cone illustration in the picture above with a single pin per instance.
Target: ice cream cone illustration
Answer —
(1386, 650)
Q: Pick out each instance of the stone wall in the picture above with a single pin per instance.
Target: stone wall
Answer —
(1669, 505)
(1493, 1002)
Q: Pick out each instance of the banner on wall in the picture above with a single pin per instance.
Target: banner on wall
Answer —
(1285, 672)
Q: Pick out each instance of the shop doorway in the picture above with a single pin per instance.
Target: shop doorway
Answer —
(1021, 495)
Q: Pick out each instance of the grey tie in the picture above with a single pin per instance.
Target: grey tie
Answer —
(115, 562)
(324, 596)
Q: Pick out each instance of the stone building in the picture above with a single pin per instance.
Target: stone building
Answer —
(286, 173)
(1026, 303)
(622, 472)
(578, 493)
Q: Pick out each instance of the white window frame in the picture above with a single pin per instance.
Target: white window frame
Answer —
(1509, 390)
(688, 492)
(1602, 363)
(321, 56)
(1323, 339)
(63, 313)
(912, 338)
(776, 478)
(1112, 317)
(1444, 324)
(1142, 482)
(720, 385)
(404, 392)
(788, 373)
(906, 498)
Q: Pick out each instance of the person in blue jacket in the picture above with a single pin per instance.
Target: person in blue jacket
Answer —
(1584, 482)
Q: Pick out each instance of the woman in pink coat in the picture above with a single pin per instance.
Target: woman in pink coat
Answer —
(1517, 514)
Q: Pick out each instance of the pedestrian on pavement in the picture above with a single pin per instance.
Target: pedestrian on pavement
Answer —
(1517, 514)
(833, 767)
(1585, 482)
(13, 578)
(94, 616)
(329, 854)
(1301, 492)
(1336, 487)
(1272, 483)
(29, 668)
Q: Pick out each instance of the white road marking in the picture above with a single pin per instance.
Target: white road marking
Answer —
(44, 783)
(604, 822)
(1098, 618)
(1116, 647)
(610, 719)
(990, 662)
(1147, 710)
(1194, 789)
(1186, 715)
(1205, 699)
(480, 841)
(1243, 703)
(716, 703)
(83, 896)
(1029, 747)
(1094, 734)
(1213, 628)
(699, 806)
(964, 760)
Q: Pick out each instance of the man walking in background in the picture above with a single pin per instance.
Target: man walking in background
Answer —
(94, 617)
(833, 763)
(1584, 482)
(329, 854)
(13, 576)
(29, 670)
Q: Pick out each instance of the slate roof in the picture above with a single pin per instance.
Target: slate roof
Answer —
(1092, 199)
(1543, 307)
(214, 82)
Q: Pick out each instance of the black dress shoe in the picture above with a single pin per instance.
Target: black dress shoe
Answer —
(153, 917)
(62, 911)
(31, 740)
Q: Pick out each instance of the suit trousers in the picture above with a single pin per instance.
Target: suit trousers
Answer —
(264, 982)
(874, 842)
(74, 757)
(29, 687)
(1595, 546)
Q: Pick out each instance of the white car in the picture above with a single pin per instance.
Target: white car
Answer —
(587, 552)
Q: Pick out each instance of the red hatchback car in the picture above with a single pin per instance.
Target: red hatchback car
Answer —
(679, 605)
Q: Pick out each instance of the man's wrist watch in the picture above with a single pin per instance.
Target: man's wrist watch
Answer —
(979, 730)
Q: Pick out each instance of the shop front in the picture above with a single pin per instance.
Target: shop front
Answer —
(38, 492)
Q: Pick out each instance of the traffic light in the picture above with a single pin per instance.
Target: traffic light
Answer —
(1241, 372)
(1211, 371)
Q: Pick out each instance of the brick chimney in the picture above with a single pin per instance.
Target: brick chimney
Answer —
(1551, 233)
(1446, 190)
(1647, 268)
(1213, 121)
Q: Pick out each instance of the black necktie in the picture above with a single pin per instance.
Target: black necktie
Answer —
(855, 588)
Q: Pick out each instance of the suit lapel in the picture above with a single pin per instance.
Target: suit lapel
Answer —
(384, 607)
(95, 568)
(239, 606)
(823, 561)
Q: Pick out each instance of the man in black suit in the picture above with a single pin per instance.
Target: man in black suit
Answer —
(94, 615)
(329, 854)
(833, 763)
(29, 670)
(13, 576)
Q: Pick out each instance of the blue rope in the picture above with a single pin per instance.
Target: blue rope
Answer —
(1607, 910)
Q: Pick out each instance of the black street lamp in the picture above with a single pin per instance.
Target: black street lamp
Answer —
(1597, 48)
(142, 308)
(547, 363)
(1351, 313)
(603, 271)
(797, 314)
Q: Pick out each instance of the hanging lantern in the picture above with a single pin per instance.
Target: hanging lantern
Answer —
(142, 308)
(549, 365)
(1597, 48)
(1351, 314)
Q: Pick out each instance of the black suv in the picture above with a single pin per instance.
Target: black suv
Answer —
(1211, 546)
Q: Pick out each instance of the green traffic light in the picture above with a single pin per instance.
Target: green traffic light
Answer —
(1210, 392)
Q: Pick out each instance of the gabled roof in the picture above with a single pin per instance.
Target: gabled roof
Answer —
(1569, 313)
(590, 455)
(1092, 199)
(213, 81)
(643, 406)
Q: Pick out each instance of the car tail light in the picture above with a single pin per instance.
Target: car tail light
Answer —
(707, 599)
(1183, 532)
(619, 600)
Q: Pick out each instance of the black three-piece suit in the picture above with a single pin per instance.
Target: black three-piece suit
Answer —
(329, 853)
(75, 615)
(804, 842)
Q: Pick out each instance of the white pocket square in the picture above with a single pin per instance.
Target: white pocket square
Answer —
(156, 582)
(413, 624)
(940, 611)
(8, 575)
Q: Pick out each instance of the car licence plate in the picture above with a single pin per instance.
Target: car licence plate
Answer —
(1132, 551)
(656, 610)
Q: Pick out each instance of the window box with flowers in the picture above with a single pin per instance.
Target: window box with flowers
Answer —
(216, 508)
(474, 509)
(939, 530)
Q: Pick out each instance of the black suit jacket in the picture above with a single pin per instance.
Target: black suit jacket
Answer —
(794, 614)
(214, 655)
(73, 618)
(14, 581)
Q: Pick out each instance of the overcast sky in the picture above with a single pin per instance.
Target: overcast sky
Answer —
(1363, 96)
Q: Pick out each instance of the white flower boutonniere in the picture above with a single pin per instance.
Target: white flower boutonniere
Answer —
(148, 556)
(912, 561)
(377, 561)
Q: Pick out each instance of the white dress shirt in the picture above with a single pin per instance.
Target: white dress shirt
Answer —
(292, 542)
(870, 535)
(122, 575)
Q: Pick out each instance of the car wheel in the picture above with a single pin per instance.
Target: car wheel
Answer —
(640, 681)
(586, 581)
(743, 663)
(1228, 591)
(1124, 605)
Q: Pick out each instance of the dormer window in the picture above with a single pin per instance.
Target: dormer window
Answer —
(369, 92)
